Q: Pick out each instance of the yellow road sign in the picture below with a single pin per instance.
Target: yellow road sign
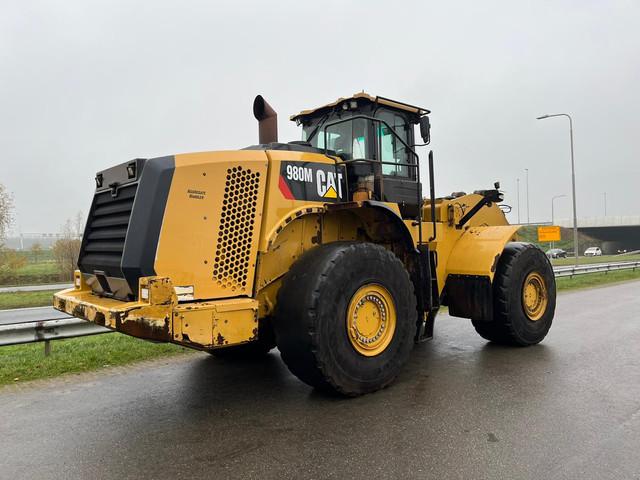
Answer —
(549, 234)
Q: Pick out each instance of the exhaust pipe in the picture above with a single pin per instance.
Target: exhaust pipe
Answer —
(267, 120)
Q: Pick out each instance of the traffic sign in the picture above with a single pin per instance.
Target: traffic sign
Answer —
(549, 234)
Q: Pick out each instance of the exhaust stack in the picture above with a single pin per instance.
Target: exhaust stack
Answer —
(267, 120)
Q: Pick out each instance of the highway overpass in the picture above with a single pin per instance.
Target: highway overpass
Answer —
(617, 233)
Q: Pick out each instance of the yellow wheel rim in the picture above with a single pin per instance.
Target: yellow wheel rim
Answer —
(534, 296)
(371, 320)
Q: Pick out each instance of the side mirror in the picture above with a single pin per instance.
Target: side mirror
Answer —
(425, 129)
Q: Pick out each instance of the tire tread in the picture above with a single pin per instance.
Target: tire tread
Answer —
(296, 328)
(503, 327)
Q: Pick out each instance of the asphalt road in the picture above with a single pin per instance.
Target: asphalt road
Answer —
(34, 314)
(567, 408)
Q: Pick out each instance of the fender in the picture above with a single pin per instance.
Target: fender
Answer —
(471, 268)
(368, 210)
(478, 250)
(285, 243)
(271, 235)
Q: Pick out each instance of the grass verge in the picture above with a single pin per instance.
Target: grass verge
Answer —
(44, 271)
(19, 363)
(596, 279)
(40, 268)
(26, 299)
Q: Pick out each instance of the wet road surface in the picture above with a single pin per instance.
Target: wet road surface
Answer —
(567, 408)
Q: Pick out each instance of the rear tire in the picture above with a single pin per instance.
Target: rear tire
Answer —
(524, 297)
(329, 284)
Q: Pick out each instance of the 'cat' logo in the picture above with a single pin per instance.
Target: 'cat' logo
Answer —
(311, 181)
(328, 185)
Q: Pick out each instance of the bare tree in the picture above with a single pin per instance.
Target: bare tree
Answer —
(79, 223)
(6, 212)
(10, 261)
(67, 249)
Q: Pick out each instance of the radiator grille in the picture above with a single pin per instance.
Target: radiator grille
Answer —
(235, 234)
(106, 231)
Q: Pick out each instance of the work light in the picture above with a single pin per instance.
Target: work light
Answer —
(131, 170)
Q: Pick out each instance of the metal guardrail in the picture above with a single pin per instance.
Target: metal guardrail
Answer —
(570, 271)
(34, 288)
(54, 329)
(46, 330)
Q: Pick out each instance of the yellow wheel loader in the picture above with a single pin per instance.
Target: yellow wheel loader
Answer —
(324, 247)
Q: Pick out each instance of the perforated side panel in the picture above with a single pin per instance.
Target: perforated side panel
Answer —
(235, 235)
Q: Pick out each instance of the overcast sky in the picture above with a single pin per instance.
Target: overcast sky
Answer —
(85, 85)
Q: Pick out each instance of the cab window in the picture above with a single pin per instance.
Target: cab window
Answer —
(347, 139)
(391, 148)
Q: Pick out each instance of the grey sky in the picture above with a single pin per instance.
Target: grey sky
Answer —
(85, 85)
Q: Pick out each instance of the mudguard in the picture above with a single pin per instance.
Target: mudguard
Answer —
(478, 250)
(471, 268)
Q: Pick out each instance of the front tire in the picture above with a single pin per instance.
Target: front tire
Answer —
(345, 318)
(524, 297)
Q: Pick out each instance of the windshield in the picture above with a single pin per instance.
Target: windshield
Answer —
(347, 139)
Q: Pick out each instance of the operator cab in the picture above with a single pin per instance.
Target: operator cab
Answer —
(374, 138)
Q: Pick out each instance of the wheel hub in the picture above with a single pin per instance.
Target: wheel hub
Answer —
(371, 320)
(534, 296)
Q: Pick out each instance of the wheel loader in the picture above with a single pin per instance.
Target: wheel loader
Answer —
(325, 248)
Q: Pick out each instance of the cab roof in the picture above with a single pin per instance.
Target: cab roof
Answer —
(364, 96)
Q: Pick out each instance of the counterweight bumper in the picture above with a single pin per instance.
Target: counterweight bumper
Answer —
(157, 315)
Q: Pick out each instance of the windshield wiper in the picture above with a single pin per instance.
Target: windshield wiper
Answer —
(315, 130)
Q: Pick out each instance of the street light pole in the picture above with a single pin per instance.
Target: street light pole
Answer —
(518, 190)
(573, 181)
(605, 203)
(553, 199)
(528, 218)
